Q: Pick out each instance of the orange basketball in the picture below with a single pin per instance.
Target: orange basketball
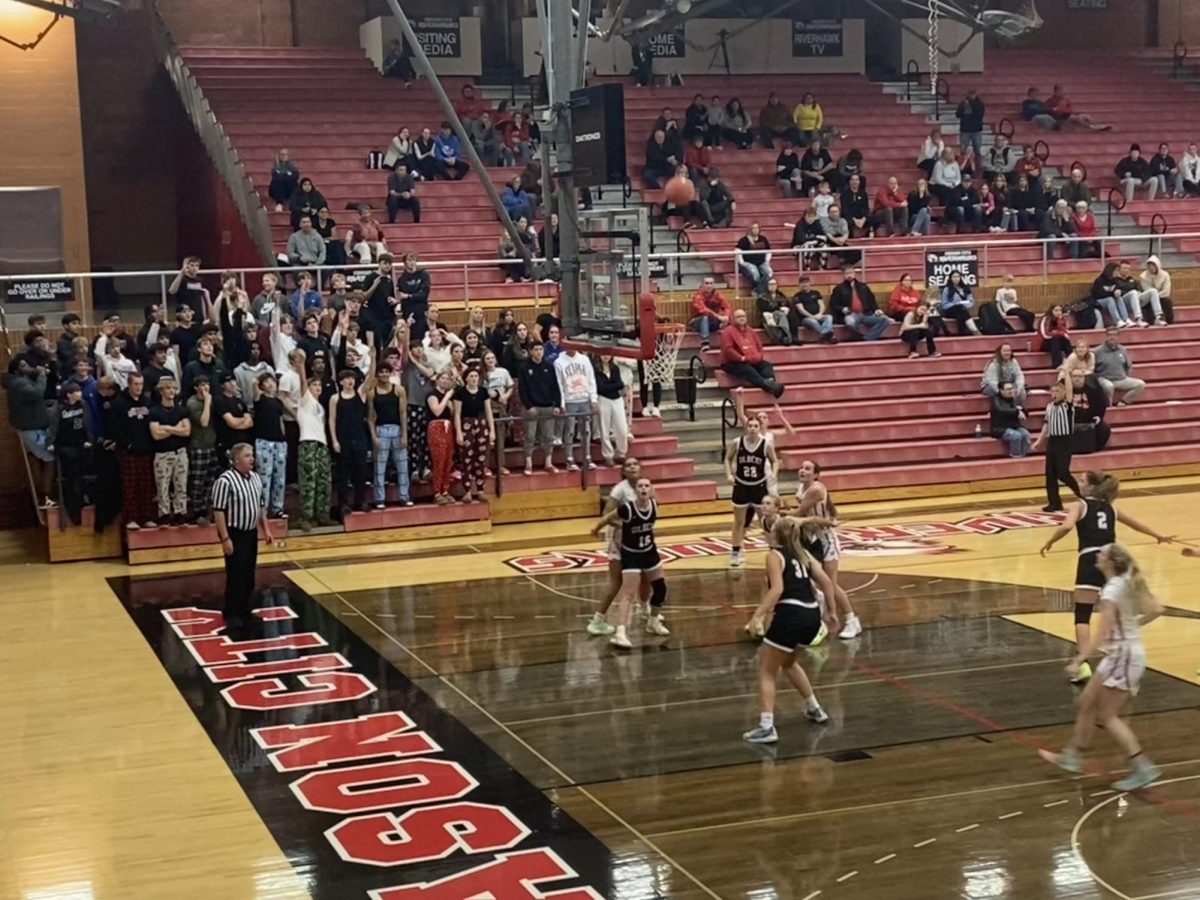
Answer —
(680, 191)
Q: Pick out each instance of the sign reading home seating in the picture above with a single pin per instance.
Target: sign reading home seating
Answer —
(816, 37)
(439, 36)
(939, 265)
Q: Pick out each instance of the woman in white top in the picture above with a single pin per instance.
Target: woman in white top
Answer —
(1126, 604)
(314, 469)
(931, 152)
(1006, 300)
(498, 382)
(437, 350)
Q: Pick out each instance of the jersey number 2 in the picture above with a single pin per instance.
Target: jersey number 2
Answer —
(1102, 519)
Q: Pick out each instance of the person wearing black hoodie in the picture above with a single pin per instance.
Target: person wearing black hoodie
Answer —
(306, 201)
(1165, 171)
(716, 201)
(412, 290)
(65, 350)
(1133, 172)
(537, 383)
(135, 453)
(962, 207)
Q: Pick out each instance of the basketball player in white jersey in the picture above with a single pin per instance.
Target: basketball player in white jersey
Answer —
(815, 500)
(749, 462)
(1126, 606)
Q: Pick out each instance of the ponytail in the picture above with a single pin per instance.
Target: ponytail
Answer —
(1104, 485)
(791, 533)
(1123, 563)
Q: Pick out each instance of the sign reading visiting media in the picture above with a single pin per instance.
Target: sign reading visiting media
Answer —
(1087, 4)
(669, 43)
(41, 291)
(439, 35)
(816, 37)
(940, 263)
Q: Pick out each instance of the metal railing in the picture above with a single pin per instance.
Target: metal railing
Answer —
(1116, 202)
(212, 135)
(585, 445)
(729, 422)
(1158, 227)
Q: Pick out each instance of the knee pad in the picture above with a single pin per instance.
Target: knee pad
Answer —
(1083, 613)
(658, 592)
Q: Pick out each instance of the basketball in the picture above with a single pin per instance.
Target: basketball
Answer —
(680, 191)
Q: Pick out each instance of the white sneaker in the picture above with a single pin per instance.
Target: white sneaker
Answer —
(1142, 323)
(852, 628)
(620, 640)
(736, 559)
(598, 626)
(760, 735)
(657, 413)
(654, 625)
(816, 715)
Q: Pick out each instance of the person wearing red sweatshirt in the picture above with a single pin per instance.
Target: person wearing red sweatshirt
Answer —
(710, 311)
(891, 209)
(742, 356)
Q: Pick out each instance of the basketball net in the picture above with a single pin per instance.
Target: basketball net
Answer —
(661, 366)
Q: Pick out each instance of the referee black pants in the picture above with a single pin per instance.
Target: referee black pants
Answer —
(1058, 469)
(240, 566)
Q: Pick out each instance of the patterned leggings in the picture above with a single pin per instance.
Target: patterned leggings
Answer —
(441, 449)
(316, 481)
(474, 453)
(203, 468)
(137, 487)
(171, 471)
(418, 441)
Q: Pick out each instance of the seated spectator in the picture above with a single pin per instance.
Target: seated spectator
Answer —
(1047, 194)
(856, 207)
(1134, 172)
(807, 310)
(1007, 421)
(425, 155)
(851, 163)
(365, 240)
(402, 149)
(787, 171)
(1106, 295)
(1166, 171)
(753, 257)
(402, 194)
(1059, 224)
(548, 238)
(469, 107)
(933, 301)
(485, 138)
(987, 213)
(837, 233)
(1035, 111)
(931, 152)
(717, 204)
(691, 212)
(809, 119)
(305, 247)
(904, 299)
(667, 123)
(660, 162)
(1091, 404)
(853, 305)
(1076, 188)
(775, 121)
(961, 213)
(1113, 366)
(1063, 112)
(816, 165)
(695, 120)
(516, 202)
(914, 328)
(698, 159)
(1087, 230)
(396, 63)
(823, 200)
(1006, 301)
(1028, 165)
(1000, 159)
(742, 356)
(1156, 292)
(1129, 289)
(714, 122)
(710, 311)
(1003, 369)
(737, 125)
(773, 308)
(1021, 198)
(518, 144)
(947, 177)
(919, 212)
(305, 202)
(1189, 168)
(1055, 335)
(447, 158)
(1081, 359)
(890, 215)
(326, 227)
(957, 303)
(809, 235)
(1006, 214)
(285, 177)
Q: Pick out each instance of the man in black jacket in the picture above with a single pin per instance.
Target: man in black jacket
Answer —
(961, 208)
(716, 202)
(135, 453)
(402, 194)
(1091, 403)
(660, 161)
(1134, 171)
(71, 324)
(853, 305)
(970, 115)
(412, 290)
(1165, 171)
(537, 383)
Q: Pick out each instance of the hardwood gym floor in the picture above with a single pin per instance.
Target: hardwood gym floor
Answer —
(487, 733)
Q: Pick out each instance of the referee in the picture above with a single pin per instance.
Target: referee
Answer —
(1056, 440)
(238, 508)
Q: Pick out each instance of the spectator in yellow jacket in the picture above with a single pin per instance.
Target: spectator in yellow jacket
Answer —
(810, 121)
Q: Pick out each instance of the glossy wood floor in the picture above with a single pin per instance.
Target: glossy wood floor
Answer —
(122, 776)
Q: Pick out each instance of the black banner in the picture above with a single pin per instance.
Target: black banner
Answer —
(668, 44)
(50, 291)
(816, 37)
(1087, 4)
(631, 268)
(939, 265)
(439, 36)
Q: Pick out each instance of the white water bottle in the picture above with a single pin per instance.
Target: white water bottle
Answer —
(978, 431)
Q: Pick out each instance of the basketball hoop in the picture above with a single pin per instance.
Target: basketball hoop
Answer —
(660, 368)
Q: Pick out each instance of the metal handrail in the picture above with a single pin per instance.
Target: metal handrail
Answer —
(683, 244)
(729, 420)
(1115, 200)
(698, 378)
(1155, 221)
(212, 135)
(912, 73)
(943, 87)
(586, 443)
(1041, 150)
(1005, 127)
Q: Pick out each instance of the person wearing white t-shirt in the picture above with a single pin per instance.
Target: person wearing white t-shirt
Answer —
(316, 476)
(624, 491)
(577, 385)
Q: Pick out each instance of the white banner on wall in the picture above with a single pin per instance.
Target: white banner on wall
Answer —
(439, 36)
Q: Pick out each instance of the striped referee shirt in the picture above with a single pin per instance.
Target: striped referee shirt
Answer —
(240, 497)
(1060, 419)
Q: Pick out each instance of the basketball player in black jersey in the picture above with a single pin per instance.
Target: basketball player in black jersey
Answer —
(1094, 519)
(792, 574)
(748, 465)
(639, 561)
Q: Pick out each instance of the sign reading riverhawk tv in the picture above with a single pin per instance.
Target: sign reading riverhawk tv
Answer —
(817, 37)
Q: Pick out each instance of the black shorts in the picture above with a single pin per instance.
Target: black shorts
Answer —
(639, 560)
(749, 494)
(793, 626)
(1087, 576)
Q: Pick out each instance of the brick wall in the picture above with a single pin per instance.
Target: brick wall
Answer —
(229, 23)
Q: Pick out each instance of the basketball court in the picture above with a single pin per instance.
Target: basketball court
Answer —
(149, 756)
